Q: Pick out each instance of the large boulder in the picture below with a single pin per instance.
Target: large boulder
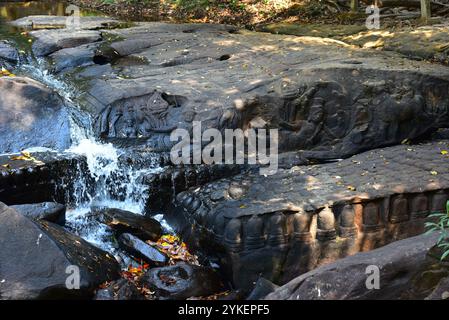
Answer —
(49, 41)
(327, 98)
(31, 115)
(405, 271)
(37, 257)
(41, 177)
(282, 225)
(324, 96)
(69, 58)
(8, 52)
(50, 211)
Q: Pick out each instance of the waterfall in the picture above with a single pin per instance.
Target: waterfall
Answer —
(108, 183)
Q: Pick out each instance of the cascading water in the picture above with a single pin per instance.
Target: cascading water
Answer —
(108, 183)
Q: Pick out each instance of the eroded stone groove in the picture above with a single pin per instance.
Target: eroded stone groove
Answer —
(284, 225)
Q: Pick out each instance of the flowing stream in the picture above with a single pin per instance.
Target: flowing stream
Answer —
(109, 182)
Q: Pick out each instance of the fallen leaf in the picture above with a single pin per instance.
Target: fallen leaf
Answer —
(6, 73)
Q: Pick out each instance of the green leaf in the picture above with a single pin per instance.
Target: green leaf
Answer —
(445, 254)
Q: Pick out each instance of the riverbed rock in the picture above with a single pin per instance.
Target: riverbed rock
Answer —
(421, 43)
(8, 52)
(141, 250)
(401, 265)
(122, 289)
(329, 98)
(286, 224)
(49, 41)
(37, 257)
(70, 58)
(49, 211)
(45, 176)
(182, 281)
(122, 221)
(32, 115)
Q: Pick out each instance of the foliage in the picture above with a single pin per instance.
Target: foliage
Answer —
(192, 4)
(175, 249)
(441, 225)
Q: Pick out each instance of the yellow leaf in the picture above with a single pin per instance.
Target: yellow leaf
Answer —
(433, 173)
(6, 73)
(19, 158)
(352, 188)
(443, 152)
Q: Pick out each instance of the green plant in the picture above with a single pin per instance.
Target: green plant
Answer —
(441, 226)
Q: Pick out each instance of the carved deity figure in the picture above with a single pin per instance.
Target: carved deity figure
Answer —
(302, 133)
(137, 117)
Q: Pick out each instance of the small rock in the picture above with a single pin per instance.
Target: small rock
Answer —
(8, 52)
(50, 211)
(123, 221)
(183, 281)
(141, 250)
(119, 290)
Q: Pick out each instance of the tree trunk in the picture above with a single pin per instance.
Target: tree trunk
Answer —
(425, 10)
(354, 5)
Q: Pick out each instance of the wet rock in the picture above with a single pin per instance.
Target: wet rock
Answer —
(69, 58)
(8, 52)
(123, 221)
(119, 290)
(262, 288)
(50, 211)
(141, 250)
(49, 41)
(37, 259)
(399, 264)
(47, 178)
(31, 115)
(183, 281)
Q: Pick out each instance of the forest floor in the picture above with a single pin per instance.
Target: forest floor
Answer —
(254, 13)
